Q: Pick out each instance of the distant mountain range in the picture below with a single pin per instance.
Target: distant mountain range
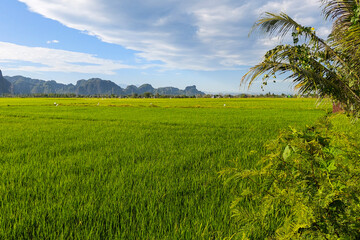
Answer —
(20, 85)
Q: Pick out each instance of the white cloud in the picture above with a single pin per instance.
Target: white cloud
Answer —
(183, 34)
(52, 41)
(47, 60)
(269, 42)
(324, 32)
(297, 9)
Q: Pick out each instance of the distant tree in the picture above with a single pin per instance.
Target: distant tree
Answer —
(147, 95)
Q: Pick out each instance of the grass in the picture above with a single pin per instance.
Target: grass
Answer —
(130, 168)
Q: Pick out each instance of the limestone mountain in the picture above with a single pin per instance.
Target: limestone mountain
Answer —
(191, 91)
(4, 85)
(169, 91)
(131, 89)
(25, 85)
(95, 86)
(146, 88)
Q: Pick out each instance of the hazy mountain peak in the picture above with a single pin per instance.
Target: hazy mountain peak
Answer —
(4, 85)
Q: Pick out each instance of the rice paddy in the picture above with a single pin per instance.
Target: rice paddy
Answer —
(131, 168)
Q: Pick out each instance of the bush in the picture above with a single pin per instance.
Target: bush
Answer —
(306, 187)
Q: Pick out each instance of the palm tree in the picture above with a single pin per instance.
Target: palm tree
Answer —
(327, 67)
(345, 34)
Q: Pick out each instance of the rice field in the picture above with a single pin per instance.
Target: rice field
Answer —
(131, 168)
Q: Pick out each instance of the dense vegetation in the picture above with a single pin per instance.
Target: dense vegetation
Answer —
(131, 168)
(307, 187)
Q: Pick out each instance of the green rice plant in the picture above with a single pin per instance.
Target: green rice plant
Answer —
(121, 169)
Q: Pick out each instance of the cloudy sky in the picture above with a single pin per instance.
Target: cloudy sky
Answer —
(161, 42)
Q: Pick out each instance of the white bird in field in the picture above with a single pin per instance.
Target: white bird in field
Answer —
(98, 103)
(57, 104)
(224, 105)
(54, 103)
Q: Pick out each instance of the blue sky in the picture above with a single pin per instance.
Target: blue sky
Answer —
(161, 42)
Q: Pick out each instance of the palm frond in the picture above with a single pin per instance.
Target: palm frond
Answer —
(281, 24)
(275, 24)
(339, 10)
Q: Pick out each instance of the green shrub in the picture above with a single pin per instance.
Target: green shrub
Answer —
(306, 187)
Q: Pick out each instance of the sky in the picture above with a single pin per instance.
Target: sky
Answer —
(161, 42)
